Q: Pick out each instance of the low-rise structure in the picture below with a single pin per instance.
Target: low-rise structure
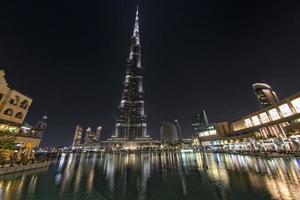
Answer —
(14, 107)
(276, 127)
(168, 133)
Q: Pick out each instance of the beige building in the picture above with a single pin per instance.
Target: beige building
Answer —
(13, 110)
(271, 128)
(13, 105)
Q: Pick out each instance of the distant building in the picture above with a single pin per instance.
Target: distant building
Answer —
(265, 95)
(89, 137)
(199, 120)
(41, 126)
(77, 137)
(98, 133)
(168, 133)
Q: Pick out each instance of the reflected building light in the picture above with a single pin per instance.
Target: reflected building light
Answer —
(110, 171)
(90, 179)
(61, 161)
(68, 173)
(7, 190)
(279, 189)
(79, 174)
(1, 189)
(146, 170)
(20, 187)
(218, 174)
(57, 179)
(32, 184)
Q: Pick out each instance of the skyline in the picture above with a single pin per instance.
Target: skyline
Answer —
(173, 76)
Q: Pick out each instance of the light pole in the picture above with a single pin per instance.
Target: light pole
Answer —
(180, 132)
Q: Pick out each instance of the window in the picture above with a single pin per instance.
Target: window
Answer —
(248, 123)
(206, 133)
(264, 132)
(264, 117)
(9, 112)
(296, 104)
(274, 114)
(24, 104)
(285, 110)
(255, 120)
(19, 115)
(14, 101)
(274, 131)
(212, 132)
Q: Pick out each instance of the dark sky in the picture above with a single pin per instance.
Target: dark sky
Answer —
(70, 57)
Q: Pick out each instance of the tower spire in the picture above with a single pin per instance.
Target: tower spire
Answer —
(136, 29)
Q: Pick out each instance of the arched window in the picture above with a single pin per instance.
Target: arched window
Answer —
(9, 112)
(19, 115)
(24, 104)
(15, 101)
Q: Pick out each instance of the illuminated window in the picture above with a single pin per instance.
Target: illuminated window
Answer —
(274, 130)
(205, 133)
(274, 114)
(264, 132)
(248, 123)
(296, 104)
(264, 117)
(255, 120)
(285, 110)
(212, 132)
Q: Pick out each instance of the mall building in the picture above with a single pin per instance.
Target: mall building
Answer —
(273, 127)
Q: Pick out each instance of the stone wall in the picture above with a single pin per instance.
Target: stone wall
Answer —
(13, 169)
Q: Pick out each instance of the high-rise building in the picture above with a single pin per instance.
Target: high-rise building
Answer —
(168, 133)
(89, 137)
(98, 133)
(199, 120)
(77, 136)
(264, 94)
(131, 117)
(41, 126)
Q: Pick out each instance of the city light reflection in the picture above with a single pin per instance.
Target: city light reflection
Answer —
(136, 176)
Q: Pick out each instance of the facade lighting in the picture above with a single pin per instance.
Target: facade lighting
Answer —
(285, 110)
(274, 114)
(296, 104)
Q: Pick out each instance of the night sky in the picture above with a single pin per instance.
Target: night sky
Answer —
(70, 57)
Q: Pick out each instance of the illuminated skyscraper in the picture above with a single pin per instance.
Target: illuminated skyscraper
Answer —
(41, 126)
(98, 134)
(131, 118)
(89, 137)
(199, 120)
(265, 95)
(77, 136)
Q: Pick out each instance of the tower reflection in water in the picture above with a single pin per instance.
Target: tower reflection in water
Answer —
(158, 176)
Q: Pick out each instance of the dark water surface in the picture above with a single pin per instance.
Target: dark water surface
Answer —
(165, 176)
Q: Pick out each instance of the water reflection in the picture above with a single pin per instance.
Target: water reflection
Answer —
(158, 176)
